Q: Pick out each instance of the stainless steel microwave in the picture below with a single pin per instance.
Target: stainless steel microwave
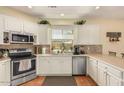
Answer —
(16, 37)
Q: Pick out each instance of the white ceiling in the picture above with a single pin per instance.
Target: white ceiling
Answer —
(73, 12)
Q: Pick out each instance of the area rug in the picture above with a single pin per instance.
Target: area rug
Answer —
(59, 81)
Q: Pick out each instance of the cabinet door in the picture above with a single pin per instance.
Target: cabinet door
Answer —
(44, 35)
(30, 27)
(66, 65)
(113, 80)
(89, 34)
(56, 67)
(5, 72)
(92, 69)
(27, 27)
(1, 29)
(13, 24)
(83, 35)
(101, 77)
(43, 66)
(2, 72)
(61, 65)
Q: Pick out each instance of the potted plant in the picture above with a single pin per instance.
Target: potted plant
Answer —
(44, 22)
(80, 22)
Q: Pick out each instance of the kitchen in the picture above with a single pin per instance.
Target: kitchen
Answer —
(44, 48)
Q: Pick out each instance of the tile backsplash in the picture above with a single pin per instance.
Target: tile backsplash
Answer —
(37, 48)
(91, 48)
(15, 46)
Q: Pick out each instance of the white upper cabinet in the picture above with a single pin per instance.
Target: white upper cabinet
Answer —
(44, 34)
(13, 24)
(88, 34)
(29, 27)
(1, 29)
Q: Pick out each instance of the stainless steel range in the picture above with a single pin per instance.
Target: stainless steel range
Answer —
(23, 66)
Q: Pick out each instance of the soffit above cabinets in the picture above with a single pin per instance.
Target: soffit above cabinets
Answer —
(73, 12)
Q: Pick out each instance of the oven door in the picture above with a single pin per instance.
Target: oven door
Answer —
(16, 73)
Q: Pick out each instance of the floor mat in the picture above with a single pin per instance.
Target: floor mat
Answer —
(59, 81)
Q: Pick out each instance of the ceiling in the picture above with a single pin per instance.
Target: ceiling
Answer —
(73, 12)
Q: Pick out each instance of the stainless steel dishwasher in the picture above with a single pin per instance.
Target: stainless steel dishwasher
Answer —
(79, 65)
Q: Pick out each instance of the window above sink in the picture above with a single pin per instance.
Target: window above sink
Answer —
(62, 40)
(62, 34)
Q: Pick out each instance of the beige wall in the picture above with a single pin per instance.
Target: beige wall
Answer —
(110, 25)
(13, 12)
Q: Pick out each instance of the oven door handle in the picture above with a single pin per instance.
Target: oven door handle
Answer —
(16, 61)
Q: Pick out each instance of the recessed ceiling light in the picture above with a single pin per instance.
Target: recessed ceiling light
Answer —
(97, 7)
(29, 6)
(62, 14)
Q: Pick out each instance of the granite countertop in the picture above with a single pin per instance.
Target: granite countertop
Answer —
(57, 55)
(4, 59)
(109, 60)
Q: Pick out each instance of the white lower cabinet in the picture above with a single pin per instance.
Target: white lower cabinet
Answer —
(113, 80)
(42, 66)
(5, 73)
(123, 79)
(50, 65)
(92, 69)
(114, 77)
(44, 35)
(104, 74)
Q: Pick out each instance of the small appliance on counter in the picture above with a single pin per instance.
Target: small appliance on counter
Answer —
(3, 53)
(42, 49)
(78, 50)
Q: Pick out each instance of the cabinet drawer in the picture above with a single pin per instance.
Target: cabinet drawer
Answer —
(123, 76)
(41, 59)
(102, 65)
(115, 72)
(61, 59)
(93, 60)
